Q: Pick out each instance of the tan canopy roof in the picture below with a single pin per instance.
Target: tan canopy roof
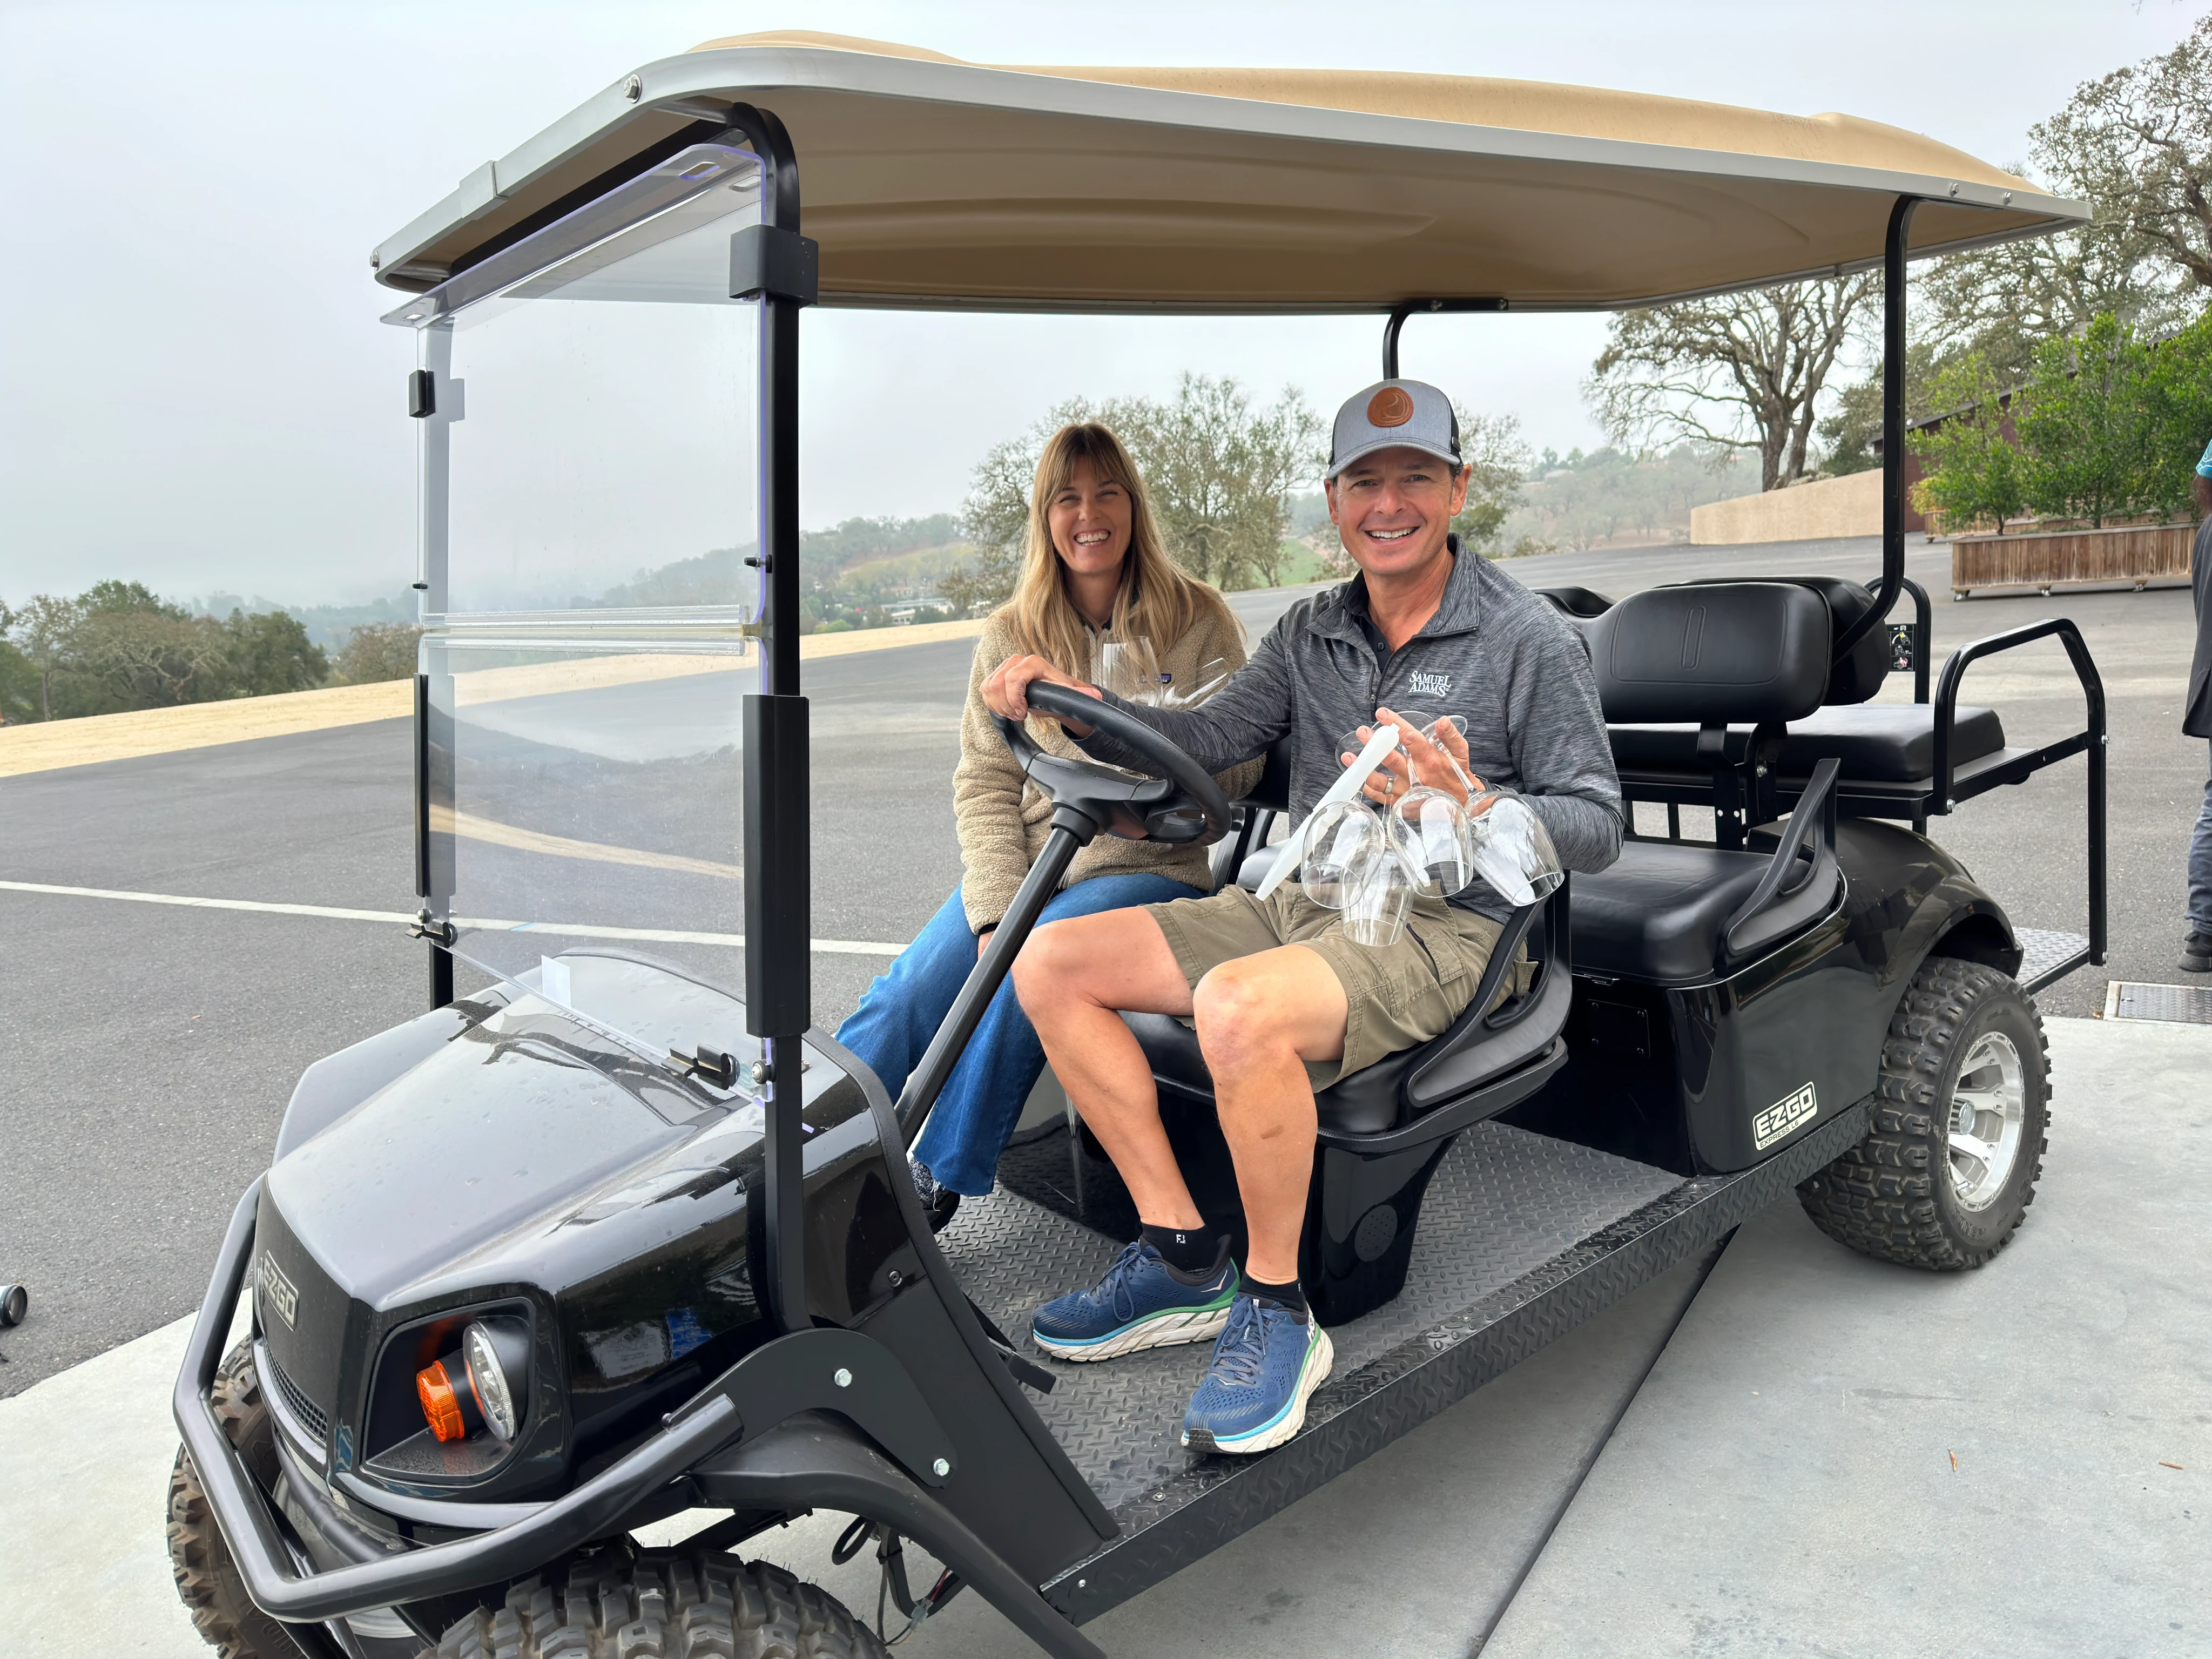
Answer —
(935, 183)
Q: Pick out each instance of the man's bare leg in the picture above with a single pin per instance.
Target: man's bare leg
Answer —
(1261, 1017)
(1074, 977)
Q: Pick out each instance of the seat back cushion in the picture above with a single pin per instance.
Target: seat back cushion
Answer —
(1712, 654)
(1580, 602)
(1858, 675)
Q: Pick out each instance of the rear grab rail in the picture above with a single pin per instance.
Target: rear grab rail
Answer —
(2092, 740)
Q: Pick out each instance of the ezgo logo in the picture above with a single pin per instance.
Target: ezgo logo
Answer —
(1785, 1114)
(278, 1290)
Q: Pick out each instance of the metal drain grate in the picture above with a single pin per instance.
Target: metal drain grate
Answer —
(2185, 1004)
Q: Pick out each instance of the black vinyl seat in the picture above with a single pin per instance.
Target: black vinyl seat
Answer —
(1661, 912)
(1876, 741)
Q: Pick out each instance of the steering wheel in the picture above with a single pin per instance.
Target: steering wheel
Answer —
(1186, 806)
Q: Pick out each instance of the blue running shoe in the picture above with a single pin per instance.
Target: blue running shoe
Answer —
(1266, 1364)
(1142, 1303)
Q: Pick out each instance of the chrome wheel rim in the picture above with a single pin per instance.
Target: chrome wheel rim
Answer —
(1988, 1115)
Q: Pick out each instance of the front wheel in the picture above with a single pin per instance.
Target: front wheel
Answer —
(1959, 1117)
(621, 1603)
(207, 1579)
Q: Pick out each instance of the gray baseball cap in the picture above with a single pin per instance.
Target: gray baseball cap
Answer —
(1394, 414)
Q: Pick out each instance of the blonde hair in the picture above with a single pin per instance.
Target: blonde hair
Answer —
(1155, 600)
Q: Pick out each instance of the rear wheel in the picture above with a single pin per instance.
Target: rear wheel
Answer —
(207, 1577)
(662, 1604)
(1959, 1117)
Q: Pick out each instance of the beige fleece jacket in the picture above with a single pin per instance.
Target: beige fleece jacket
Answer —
(1005, 819)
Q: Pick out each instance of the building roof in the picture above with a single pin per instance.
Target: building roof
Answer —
(932, 182)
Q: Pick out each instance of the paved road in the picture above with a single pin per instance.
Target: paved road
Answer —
(151, 1049)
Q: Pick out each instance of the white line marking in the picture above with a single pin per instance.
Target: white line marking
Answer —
(836, 947)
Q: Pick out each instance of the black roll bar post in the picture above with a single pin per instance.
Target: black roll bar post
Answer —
(773, 262)
(1893, 431)
(1405, 308)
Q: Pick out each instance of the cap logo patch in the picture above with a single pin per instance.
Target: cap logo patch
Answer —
(1391, 406)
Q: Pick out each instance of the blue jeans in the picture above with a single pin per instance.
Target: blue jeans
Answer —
(982, 1100)
(2200, 869)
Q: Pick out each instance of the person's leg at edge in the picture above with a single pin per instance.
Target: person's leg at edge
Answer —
(1074, 983)
(1260, 1019)
(902, 1007)
(2197, 951)
(1175, 1283)
(982, 1100)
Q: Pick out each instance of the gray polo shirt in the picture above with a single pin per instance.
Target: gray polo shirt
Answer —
(1510, 667)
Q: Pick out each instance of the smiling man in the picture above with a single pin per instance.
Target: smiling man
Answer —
(1283, 1002)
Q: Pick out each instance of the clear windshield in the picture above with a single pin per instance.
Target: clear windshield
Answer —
(589, 497)
(587, 790)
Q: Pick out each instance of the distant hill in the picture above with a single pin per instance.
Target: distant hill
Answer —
(856, 546)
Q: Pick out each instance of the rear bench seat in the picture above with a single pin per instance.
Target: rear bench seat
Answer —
(1876, 743)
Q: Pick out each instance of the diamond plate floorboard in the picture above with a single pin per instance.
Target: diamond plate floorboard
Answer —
(2041, 948)
(1504, 1202)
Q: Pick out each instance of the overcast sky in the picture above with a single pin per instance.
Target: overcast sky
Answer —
(197, 393)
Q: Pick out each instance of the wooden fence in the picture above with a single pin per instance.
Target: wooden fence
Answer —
(2133, 554)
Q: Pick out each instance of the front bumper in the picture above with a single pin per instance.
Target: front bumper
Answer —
(282, 1590)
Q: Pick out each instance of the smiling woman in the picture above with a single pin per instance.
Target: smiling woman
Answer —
(1096, 586)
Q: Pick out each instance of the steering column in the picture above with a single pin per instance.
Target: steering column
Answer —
(1186, 806)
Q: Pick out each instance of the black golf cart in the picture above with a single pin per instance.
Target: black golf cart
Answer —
(625, 1236)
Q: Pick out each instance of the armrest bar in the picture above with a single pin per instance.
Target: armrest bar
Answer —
(2093, 737)
(1815, 816)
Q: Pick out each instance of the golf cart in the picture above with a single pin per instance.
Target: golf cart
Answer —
(624, 1237)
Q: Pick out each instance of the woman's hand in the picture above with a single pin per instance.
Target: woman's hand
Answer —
(1439, 763)
(1005, 691)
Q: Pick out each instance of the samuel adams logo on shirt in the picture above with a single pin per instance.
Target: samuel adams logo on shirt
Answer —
(1427, 684)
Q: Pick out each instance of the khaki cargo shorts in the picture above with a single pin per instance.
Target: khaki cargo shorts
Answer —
(1396, 996)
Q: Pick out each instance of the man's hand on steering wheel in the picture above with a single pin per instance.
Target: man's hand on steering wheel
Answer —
(1005, 691)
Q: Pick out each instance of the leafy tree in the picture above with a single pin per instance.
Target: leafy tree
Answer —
(147, 657)
(1219, 470)
(1971, 468)
(1498, 460)
(2179, 390)
(2138, 143)
(43, 631)
(1849, 433)
(1737, 371)
(270, 653)
(117, 598)
(18, 680)
(377, 651)
(2083, 420)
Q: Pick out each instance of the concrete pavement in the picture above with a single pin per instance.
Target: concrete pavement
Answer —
(1835, 1456)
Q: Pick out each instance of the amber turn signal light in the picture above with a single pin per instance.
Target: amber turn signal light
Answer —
(450, 1411)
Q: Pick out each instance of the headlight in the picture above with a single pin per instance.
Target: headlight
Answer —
(497, 1354)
